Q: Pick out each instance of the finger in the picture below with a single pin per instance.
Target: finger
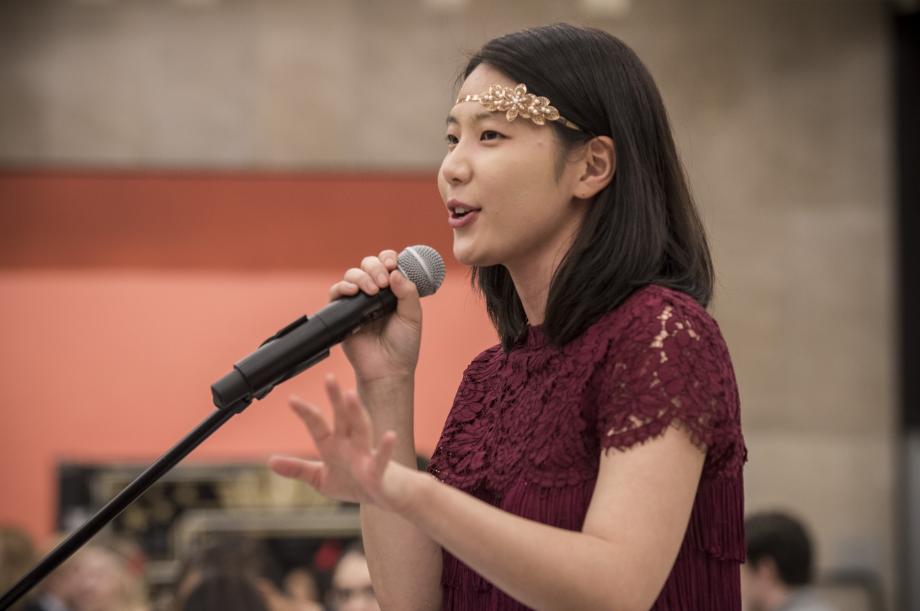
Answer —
(270, 592)
(312, 418)
(309, 471)
(342, 287)
(377, 270)
(362, 279)
(341, 428)
(384, 453)
(408, 306)
(358, 420)
(389, 258)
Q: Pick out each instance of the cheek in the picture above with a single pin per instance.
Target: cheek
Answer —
(530, 189)
(534, 171)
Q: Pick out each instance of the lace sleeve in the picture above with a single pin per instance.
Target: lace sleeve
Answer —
(670, 367)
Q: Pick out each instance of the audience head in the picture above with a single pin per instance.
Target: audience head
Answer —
(351, 583)
(17, 555)
(224, 592)
(103, 578)
(232, 564)
(779, 560)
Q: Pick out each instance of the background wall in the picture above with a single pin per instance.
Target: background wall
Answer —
(780, 108)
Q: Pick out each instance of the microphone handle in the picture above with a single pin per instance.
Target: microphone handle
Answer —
(301, 344)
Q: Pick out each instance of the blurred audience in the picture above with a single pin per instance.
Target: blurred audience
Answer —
(780, 566)
(234, 574)
(17, 556)
(301, 589)
(224, 592)
(102, 576)
(351, 583)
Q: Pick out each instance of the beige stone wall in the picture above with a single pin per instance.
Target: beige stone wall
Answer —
(781, 110)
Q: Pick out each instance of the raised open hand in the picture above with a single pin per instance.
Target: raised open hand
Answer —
(351, 467)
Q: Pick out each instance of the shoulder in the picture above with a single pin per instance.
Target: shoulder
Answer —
(666, 361)
(666, 336)
(486, 364)
(650, 316)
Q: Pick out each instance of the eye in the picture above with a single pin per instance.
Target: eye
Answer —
(451, 140)
(490, 134)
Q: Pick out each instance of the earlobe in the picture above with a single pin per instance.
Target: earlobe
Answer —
(599, 167)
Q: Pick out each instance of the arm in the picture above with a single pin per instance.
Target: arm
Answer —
(632, 532)
(620, 560)
(405, 563)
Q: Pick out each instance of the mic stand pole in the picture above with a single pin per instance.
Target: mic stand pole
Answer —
(114, 507)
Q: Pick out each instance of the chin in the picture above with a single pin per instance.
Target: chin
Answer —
(467, 254)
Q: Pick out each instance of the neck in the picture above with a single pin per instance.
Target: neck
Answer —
(532, 276)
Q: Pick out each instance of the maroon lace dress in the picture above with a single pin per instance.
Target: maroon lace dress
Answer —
(528, 426)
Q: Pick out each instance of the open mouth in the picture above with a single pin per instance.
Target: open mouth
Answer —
(461, 215)
(458, 212)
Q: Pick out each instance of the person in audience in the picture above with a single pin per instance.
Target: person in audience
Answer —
(101, 576)
(17, 555)
(351, 583)
(231, 567)
(780, 566)
(224, 591)
(301, 589)
(104, 578)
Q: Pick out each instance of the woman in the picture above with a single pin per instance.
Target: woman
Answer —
(592, 460)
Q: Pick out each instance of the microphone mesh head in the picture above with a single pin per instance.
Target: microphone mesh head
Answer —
(423, 266)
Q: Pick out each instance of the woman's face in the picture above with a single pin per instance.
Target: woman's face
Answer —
(523, 210)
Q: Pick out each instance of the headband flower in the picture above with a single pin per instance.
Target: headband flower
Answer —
(515, 102)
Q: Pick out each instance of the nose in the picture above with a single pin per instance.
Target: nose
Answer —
(456, 168)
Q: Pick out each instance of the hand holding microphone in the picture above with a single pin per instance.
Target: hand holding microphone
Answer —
(390, 349)
(355, 465)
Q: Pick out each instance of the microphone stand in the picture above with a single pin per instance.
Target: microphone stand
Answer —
(232, 394)
(79, 537)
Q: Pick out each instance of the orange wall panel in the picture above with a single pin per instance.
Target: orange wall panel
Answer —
(108, 353)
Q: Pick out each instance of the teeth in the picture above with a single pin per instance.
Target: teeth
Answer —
(461, 210)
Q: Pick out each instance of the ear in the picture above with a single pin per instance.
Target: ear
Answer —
(599, 163)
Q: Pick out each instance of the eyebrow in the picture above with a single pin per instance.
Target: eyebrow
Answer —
(476, 118)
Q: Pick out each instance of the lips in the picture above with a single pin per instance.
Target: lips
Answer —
(461, 214)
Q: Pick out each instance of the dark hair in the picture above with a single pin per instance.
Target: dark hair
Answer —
(643, 228)
(783, 539)
(230, 554)
(223, 573)
(225, 592)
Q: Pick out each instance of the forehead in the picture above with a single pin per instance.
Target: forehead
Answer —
(480, 79)
(352, 571)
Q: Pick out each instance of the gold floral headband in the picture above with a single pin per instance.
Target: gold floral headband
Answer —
(515, 101)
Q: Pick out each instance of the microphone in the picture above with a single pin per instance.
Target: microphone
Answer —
(307, 340)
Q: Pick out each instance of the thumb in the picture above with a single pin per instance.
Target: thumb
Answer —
(407, 306)
(309, 471)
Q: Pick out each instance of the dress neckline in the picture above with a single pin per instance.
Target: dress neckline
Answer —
(536, 336)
